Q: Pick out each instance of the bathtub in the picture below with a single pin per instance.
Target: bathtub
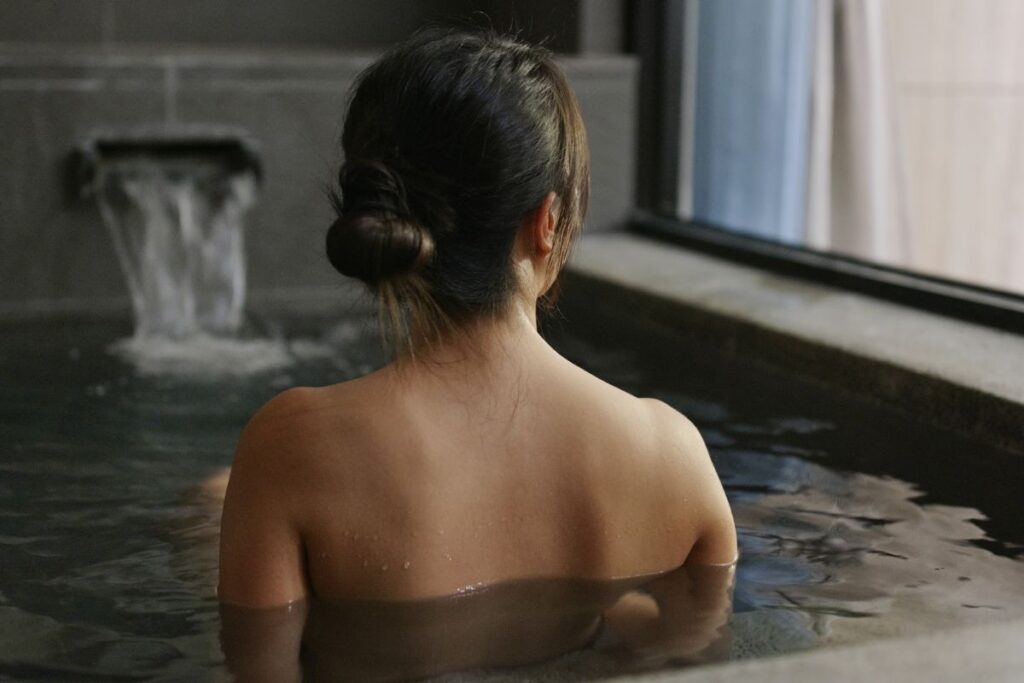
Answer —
(859, 524)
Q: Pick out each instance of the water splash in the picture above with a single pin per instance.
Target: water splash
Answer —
(177, 227)
(175, 202)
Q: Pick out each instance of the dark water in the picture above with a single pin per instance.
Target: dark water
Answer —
(854, 523)
(610, 627)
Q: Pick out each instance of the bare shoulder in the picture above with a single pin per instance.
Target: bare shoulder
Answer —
(287, 406)
(267, 449)
(280, 420)
(260, 513)
(584, 384)
(286, 440)
(679, 450)
(690, 471)
(290, 459)
(675, 433)
(299, 414)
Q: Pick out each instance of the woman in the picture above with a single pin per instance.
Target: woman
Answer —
(479, 456)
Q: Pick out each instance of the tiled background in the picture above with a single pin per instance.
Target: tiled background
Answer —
(61, 81)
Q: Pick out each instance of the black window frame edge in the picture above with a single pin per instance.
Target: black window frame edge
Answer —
(969, 303)
(658, 39)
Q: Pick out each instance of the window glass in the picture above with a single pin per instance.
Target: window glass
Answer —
(887, 130)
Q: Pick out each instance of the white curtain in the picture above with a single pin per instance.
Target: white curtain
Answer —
(856, 200)
(888, 130)
(750, 115)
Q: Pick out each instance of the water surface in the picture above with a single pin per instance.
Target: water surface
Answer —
(854, 523)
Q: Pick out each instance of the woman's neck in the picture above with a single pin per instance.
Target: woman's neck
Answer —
(487, 347)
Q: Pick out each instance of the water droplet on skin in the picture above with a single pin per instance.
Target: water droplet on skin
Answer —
(366, 563)
(383, 567)
(406, 565)
(448, 557)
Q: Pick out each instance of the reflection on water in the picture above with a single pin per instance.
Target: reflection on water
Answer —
(853, 523)
(624, 625)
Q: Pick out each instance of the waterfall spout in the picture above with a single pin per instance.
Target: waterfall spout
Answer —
(174, 203)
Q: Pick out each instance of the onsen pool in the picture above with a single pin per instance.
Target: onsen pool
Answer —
(855, 523)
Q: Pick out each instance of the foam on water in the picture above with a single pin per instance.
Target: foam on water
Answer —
(203, 355)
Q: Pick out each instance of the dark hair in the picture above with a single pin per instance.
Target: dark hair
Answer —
(450, 141)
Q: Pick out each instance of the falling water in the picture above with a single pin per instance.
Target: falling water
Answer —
(177, 227)
(175, 208)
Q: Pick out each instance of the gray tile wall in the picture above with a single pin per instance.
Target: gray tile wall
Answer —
(54, 251)
(336, 24)
(324, 23)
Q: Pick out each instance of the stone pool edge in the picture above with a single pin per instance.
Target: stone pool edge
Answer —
(892, 354)
(988, 652)
(949, 373)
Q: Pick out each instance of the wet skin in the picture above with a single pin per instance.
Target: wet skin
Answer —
(485, 459)
(418, 481)
(634, 625)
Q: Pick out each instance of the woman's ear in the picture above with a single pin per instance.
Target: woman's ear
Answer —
(544, 220)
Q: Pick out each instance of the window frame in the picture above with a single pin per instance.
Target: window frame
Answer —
(659, 30)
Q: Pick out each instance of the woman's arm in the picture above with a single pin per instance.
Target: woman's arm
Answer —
(263, 644)
(716, 540)
(261, 554)
(698, 498)
(681, 617)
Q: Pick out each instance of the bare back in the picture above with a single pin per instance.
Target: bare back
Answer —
(426, 479)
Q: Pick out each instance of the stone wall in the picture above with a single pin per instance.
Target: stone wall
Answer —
(55, 254)
(566, 25)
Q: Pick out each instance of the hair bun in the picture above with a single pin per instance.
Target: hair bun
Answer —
(375, 236)
(374, 246)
